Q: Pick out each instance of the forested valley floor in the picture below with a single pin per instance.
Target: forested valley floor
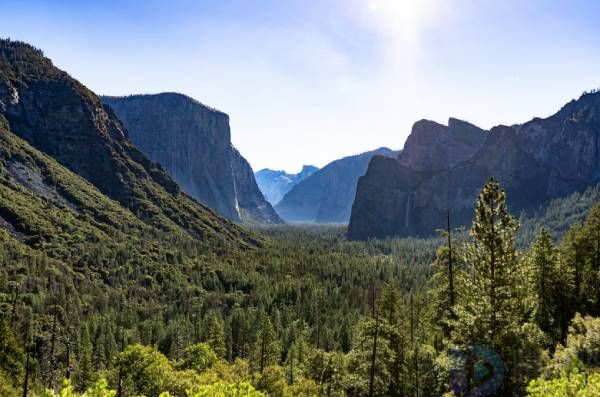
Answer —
(308, 313)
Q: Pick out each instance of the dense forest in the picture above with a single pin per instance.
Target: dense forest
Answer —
(308, 313)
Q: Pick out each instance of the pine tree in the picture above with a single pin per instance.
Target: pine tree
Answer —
(591, 273)
(266, 347)
(394, 331)
(547, 287)
(494, 311)
(215, 334)
(86, 370)
(572, 249)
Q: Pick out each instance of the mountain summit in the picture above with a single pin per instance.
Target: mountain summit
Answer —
(275, 184)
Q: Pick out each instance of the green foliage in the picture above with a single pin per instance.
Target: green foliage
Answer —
(101, 293)
(495, 309)
(226, 390)
(558, 216)
(271, 381)
(215, 334)
(11, 358)
(550, 286)
(573, 384)
(266, 348)
(581, 350)
(99, 389)
(198, 357)
(145, 371)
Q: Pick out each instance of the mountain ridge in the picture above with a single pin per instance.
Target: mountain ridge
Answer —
(535, 162)
(326, 196)
(60, 117)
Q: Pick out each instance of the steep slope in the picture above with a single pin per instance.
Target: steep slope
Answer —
(49, 208)
(193, 143)
(62, 118)
(275, 184)
(534, 162)
(326, 196)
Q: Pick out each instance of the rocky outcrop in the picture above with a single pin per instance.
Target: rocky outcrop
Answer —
(275, 184)
(433, 147)
(326, 196)
(534, 162)
(193, 144)
(62, 118)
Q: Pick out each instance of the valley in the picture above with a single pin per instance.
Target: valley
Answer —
(139, 256)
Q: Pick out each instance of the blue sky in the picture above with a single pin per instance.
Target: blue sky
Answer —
(306, 82)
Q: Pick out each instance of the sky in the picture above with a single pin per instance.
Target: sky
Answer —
(310, 81)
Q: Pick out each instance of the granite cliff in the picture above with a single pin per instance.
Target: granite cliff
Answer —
(193, 144)
(438, 170)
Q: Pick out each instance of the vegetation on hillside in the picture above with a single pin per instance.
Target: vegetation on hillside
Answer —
(307, 314)
(59, 116)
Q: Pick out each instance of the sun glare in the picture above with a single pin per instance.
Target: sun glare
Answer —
(403, 18)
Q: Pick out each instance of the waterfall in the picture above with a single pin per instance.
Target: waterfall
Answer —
(407, 212)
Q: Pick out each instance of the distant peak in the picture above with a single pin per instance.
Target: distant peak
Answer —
(308, 168)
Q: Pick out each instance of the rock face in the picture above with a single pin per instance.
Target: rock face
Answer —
(275, 184)
(534, 162)
(193, 143)
(62, 118)
(326, 196)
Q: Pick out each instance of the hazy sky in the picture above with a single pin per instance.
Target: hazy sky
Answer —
(309, 81)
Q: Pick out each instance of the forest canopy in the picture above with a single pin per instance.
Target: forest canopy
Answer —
(308, 314)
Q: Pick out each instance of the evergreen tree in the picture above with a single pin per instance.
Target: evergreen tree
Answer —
(394, 330)
(86, 371)
(547, 286)
(572, 249)
(11, 355)
(215, 334)
(494, 311)
(591, 272)
(266, 347)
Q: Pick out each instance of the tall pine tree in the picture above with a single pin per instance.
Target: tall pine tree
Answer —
(494, 311)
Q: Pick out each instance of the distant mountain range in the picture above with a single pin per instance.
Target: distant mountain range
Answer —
(275, 184)
(445, 167)
(57, 141)
(326, 196)
(193, 144)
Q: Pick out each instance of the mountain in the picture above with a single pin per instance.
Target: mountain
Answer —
(534, 162)
(60, 117)
(193, 143)
(275, 184)
(326, 196)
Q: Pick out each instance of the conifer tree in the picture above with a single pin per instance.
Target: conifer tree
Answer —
(215, 334)
(11, 354)
(591, 273)
(86, 370)
(266, 347)
(546, 285)
(494, 311)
